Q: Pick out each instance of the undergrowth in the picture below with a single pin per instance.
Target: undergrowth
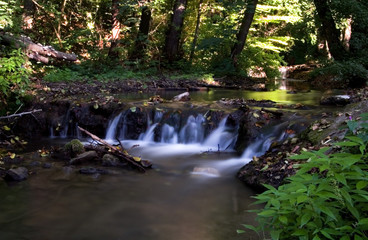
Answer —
(328, 196)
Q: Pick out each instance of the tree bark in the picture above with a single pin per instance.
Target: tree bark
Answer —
(142, 37)
(244, 30)
(36, 51)
(329, 29)
(115, 36)
(196, 31)
(172, 45)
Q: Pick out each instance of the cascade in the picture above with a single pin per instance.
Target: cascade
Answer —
(193, 131)
(168, 134)
(111, 130)
(222, 137)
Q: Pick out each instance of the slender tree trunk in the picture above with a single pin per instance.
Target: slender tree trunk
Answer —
(115, 36)
(331, 33)
(244, 30)
(172, 46)
(62, 17)
(196, 31)
(142, 37)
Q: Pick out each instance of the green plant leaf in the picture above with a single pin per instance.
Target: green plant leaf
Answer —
(305, 219)
(347, 144)
(361, 184)
(283, 219)
(275, 234)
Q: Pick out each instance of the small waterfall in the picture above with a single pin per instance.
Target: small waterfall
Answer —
(168, 134)
(65, 125)
(193, 131)
(111, 130)
(149, 135)
(221, 138)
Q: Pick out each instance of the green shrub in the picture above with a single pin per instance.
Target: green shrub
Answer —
(62, 75)
(13, 76)
(328, 196)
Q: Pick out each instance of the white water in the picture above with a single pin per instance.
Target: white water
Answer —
(111, 130)
(191, 141)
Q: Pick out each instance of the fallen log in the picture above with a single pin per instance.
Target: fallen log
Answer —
(275, 113)
(121, 154)
(36, 51)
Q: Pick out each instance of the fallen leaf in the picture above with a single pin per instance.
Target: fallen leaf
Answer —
(137, 159)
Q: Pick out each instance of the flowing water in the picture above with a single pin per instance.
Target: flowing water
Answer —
(191, 192)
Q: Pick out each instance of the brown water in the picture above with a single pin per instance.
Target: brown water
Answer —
(168, 202)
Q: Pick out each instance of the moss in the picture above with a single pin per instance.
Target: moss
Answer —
(74, 147)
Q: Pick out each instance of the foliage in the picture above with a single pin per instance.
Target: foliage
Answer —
(13, 76)
(328, 196)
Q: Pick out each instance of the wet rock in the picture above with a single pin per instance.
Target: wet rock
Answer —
(183, 97)
(17, 174)
(47, 165)
(74, 147)
(337, 100)
(135, 123)
(35, 164)
(110, 160)
(84, 157)
(92, 170)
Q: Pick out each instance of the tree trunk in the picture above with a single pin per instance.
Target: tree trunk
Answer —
(142, 37)
(196, 31)
(115, 36)
(329, 29)
(244, 30)
(172, 46)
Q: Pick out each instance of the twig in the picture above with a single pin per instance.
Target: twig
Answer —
(21, 114)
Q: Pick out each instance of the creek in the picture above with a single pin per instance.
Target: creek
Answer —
(191, 192)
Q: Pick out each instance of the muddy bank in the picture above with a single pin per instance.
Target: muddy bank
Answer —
(275, 165)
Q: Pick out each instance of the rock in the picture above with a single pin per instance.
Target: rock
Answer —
(35, 164)
(16, 174)
(84, 157)
(110, 160)
(337, 100)
(74, 147)
(47, 165)
(92, 170)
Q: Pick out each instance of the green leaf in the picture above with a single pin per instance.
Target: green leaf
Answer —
(361, 184)
(345, 238)
(250, 227)
(275, 203)
(326, 234)
(346, 144)
(275, 234)
(305, 219)
(352, 125)
(316, 238)
(133, 109)
(328, 212)
(357, 237)
(267, 213)
(283, 219)
(301, 198)
(341, 178)
(355, 139)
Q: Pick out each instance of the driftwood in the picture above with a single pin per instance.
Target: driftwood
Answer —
(120, 153)
(35, 51)
(21, 114)
(276, 113)
(182, 97)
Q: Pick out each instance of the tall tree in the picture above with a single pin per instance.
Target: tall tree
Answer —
(196, 31)
(329, 29)
(172, 45)
(244, 30)
(142, 37)
(116, 27)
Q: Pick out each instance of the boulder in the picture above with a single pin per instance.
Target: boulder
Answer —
(84, 157)
(16, 174)
(336, 100)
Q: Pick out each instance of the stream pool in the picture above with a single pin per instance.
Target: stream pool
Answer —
(191, 192)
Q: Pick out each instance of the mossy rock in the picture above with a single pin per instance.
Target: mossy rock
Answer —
(74, 147)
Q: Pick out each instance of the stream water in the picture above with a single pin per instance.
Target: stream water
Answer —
(191, 193)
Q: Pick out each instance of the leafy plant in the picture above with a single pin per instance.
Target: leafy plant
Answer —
(328, 196)
(13, 76)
